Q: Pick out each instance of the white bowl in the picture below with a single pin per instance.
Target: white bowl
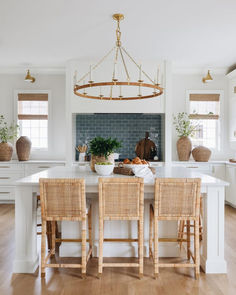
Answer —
(135, 165)
(104, 170)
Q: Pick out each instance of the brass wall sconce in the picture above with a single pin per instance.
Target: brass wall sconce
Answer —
(29, 78)
(208, 78)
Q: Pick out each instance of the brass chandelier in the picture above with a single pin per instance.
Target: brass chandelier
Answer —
(116, 86)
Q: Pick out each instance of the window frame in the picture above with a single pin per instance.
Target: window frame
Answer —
(49, 133)
(220, 130)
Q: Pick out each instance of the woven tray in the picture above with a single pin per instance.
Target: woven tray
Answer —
(123, 171)
(128, 171)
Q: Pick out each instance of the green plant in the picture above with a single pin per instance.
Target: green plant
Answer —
(100, 146)
(183, 125)
(7, 132)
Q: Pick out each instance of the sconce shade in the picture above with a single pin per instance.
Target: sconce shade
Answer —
(208, 78)
(29, 78)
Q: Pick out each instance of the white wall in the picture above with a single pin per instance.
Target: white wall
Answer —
(56, 84)
(184, 82)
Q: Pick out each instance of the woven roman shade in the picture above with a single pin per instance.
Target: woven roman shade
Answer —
(206, 97)
(31, 97)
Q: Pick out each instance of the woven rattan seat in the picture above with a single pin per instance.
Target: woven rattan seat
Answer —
(175, 199)
(121, 199)
(64, 199)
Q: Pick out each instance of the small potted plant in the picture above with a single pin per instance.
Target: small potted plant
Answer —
(6, 133)
(102, 149)
(184, 128)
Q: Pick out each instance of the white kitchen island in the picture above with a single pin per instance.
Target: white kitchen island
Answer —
(26, 252)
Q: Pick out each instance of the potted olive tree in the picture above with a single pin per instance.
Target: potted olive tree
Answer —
(102, 149)
(6, 133)
(184, 128)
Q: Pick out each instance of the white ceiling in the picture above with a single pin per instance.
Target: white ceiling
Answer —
(49, 32)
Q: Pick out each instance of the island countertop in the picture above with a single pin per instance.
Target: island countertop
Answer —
(91, 178)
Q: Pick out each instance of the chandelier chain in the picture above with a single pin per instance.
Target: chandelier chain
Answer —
(137, 65)
(97, 64)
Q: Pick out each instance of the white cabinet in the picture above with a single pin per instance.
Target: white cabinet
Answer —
(231, 189)
(10, 172)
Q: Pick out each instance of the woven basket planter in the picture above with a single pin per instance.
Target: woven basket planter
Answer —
(6, 150)
(201, 154)
(23, 147)
(184, 147)
(97, 159)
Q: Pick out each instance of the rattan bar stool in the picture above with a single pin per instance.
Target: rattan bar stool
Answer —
(121, 199)
(176, 199)
(64, 199)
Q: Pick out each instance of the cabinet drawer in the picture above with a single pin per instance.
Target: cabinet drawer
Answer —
(7, 193)
(9, 178)
(5, 166)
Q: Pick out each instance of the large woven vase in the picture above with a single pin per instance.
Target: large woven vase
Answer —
(97, 159)
(6, 150)
(23, 147)
(184, 148)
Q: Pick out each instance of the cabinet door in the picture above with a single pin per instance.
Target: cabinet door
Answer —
(231, 189)
(219, 171)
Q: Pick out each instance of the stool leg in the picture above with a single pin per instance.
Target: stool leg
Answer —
(150, 231)
(156, 258)
(140, 249)
(101, 237)
(43, 248)
(196, 248)
(181, 232)
(53, 236)
(188, 239)
(83, 258)
(90, 229)
(49, 234)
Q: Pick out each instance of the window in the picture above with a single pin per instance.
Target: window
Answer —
(204, 112)
(33, 118)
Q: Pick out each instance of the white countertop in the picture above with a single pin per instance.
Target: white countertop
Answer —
(91, 178)
(34, 162)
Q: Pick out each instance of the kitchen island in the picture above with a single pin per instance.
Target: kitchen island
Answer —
(26, 253)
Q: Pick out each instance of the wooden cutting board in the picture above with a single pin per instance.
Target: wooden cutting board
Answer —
(144, 147)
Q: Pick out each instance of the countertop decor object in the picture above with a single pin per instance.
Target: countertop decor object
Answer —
(23, 148)
(145, 147)
(201, 154)
(184, 129)
(102, 150)
(82, 152)
(6, 133)
(117, 87)
(104, 168)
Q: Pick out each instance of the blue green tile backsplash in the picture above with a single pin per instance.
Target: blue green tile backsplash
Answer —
(127, 128)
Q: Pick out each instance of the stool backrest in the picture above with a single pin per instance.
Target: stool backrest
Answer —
(121, 198)
(62, 199)
(177, 198)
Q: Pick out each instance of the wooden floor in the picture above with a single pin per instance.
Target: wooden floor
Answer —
(118, 281)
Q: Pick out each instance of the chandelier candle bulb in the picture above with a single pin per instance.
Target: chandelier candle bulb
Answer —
(75, 77)
(140, 72)
(158, 73)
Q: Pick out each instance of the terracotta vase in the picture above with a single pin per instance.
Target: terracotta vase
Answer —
(96, 159)
(184, 148)
(23, 147)
(201, 154)
(6, 151)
